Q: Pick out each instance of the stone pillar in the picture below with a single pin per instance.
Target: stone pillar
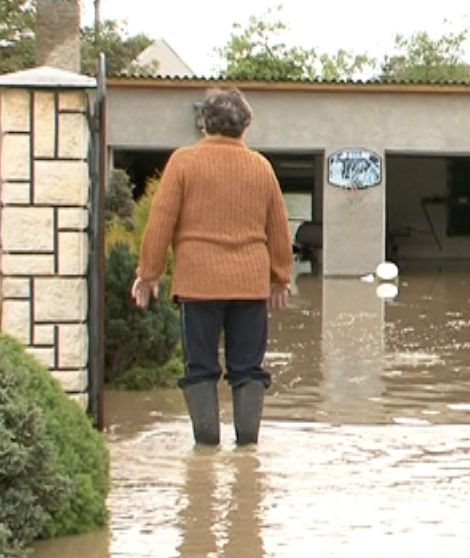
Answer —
(45, 192)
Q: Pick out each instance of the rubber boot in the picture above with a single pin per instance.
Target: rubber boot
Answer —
(202, 401)
(247, 409)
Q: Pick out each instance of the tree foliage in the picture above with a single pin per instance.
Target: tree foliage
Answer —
(256, 51)
(119, 48)
(17, 41)
(119, 201)
(252, 53)
(17, 19)
(422, 58)
(343, 65)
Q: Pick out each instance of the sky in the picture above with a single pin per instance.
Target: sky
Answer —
(194, 28)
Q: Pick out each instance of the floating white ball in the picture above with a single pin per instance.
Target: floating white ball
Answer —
(387, 271)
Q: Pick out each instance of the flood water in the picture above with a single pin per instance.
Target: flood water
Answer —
(364, 447)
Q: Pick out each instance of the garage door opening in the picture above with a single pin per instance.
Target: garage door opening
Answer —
(299, 175)
(428, 208)
(141, 165)
(300, 178)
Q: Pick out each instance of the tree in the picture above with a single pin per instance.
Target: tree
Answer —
(119, 48)
(17, 40)
(420, 58)
(17, 20)
(119, 201)
(254, 52)
(251, 53)
(344, 65)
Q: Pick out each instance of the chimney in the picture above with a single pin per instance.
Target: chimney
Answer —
(58, 34)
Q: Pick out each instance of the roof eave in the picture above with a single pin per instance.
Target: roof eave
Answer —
(148, 82)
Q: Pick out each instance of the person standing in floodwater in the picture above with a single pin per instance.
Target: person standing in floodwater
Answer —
(220, 206)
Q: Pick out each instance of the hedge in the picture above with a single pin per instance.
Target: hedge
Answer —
(54, 465)
(141, 346)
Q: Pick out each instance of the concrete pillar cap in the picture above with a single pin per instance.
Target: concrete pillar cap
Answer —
(47, 77)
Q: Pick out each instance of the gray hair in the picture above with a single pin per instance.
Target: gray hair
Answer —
(226, 112)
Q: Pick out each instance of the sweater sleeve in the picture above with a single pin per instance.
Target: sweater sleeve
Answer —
(161, 223)
(279, 239)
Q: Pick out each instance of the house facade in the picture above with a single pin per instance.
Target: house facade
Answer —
(413, 139)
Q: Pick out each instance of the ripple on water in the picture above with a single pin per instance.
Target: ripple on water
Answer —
(306, 487)
(389, 484)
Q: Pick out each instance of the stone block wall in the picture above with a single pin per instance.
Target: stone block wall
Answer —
(44, 181)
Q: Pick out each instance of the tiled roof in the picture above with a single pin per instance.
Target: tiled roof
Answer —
(141, 74)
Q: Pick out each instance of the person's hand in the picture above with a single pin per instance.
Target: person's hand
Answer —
(279, 295)
(142, 289)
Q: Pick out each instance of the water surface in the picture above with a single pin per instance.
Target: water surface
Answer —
(365, 445)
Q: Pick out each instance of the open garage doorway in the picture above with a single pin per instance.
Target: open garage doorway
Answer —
(299, 174)
(301, 179)
(140, 165)
(428, 207)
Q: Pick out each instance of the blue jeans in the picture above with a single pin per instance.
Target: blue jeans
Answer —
(245, 327)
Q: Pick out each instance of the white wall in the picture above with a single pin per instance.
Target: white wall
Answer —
(434, 122)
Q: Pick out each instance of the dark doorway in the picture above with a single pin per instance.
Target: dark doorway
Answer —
(296, 171)
(141, 165)
(458, 195)
(428, 207)
(298, 174)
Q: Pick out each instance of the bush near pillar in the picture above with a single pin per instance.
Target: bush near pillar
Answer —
(59, 480)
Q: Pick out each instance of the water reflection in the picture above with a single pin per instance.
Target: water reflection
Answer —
(365, 442)
(130, 412)
(428, 338)
(170, 499)
(309, 489)
(92, 545)
(341, 354)
(227, 519)
(199, 518)
(352, 350)
(244, 520)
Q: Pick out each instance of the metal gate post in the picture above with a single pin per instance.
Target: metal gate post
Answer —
(99, 174)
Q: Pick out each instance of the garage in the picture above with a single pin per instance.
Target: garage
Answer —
(321, 138)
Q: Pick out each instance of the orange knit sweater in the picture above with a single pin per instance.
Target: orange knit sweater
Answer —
(220, 207)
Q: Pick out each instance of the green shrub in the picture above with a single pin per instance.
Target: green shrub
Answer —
(142, 212)
(10, 548)
(32, 487)
(81, 453)
(117, 232)
(139, 344)
(135, 336)
(147, 375)
(119, 201)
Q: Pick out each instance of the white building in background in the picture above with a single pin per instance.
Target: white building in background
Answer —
(166, 62)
